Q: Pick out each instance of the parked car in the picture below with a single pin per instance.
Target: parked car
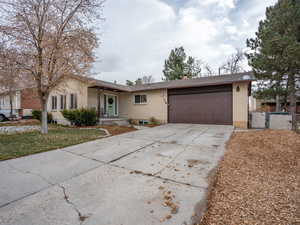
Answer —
(7, 114)
(3, 118)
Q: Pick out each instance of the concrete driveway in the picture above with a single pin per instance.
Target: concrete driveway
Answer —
(152, 176)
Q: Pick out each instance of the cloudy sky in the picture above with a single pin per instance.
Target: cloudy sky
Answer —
(138, 35)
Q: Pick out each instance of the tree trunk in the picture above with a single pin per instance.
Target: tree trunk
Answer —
(44, 127)
(11, 105)
(278, 108)
(293, 102)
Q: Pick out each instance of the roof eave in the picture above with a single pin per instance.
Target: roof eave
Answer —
(194, 85)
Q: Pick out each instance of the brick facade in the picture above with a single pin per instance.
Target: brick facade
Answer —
(30, 99)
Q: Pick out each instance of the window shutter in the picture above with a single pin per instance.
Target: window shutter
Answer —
(143, 98)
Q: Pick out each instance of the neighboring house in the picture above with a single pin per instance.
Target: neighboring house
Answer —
(23, 100)
(5, 104)
(269, 105)
(222, 100)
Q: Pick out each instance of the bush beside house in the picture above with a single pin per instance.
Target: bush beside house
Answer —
(81, 117)
(37, 114)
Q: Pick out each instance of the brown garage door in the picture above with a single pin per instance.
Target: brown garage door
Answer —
(206, 105)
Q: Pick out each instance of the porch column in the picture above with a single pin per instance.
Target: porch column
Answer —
(98, 103)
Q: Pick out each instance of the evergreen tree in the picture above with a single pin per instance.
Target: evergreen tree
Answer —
(178, 65)
(275, 55)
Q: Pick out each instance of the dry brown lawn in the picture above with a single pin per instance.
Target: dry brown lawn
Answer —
(258, 182)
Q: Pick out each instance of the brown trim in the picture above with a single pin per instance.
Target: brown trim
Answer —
(191, 86)
(199, 90)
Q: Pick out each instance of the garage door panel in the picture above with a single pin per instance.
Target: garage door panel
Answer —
(205, 108)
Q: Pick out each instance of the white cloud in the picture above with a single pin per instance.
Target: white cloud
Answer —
(220, 3)
(138, 35)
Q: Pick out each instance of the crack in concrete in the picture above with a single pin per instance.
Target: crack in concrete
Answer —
(18, 199)
(51, 184)
(186, 132)
(81, 217)
(204, 131)
(160, 171)
(125, 155)
(31, 173)
(33, 193)
(184, 149)
(86, 157)
(138, 172)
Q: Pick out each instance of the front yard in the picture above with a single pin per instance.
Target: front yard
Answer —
(258, 180)
(22, 144)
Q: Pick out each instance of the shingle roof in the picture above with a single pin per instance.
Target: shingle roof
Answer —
(196, 82)
(112, 85)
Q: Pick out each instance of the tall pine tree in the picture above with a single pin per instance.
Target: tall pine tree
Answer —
(275, 55)
(178, 65)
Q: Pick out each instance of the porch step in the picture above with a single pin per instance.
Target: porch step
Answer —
(114, 121)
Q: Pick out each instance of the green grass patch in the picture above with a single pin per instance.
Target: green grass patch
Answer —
(22, 144)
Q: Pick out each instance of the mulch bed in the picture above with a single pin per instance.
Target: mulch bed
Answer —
(29, 122)
(116, 130)
(258, 182)
(112, 129)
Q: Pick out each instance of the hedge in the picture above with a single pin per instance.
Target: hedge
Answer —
(37, 114)
(81, 117)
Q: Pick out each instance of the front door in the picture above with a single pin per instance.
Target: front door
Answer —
(111, 105)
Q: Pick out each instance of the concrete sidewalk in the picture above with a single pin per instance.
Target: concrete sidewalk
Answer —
(117, 180)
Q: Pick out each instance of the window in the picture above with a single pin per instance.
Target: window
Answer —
(73, 101)
(140, 99)
(63, 102)
(1, 102)
(54, 102)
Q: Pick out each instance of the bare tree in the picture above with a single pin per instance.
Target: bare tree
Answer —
(147, 79)
(208, 71)
(9, 73)
(234, 63)
(53, 39)
(140, 81)
(193, 67)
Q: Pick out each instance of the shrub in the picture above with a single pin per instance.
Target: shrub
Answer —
(81, 117)
(131, 121)
(153, 121)
(37, 114)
